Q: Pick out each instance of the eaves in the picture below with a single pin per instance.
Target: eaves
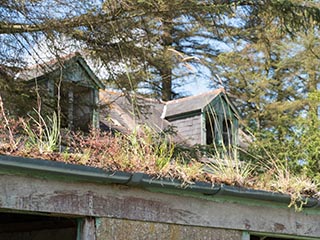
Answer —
(79, 173)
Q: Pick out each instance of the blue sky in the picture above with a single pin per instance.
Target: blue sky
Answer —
(195, 87)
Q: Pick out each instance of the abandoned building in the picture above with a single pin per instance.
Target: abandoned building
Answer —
(206, 119)
(41, 199)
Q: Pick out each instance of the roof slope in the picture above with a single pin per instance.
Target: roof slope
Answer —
(126, 112)
(41, 70)
(190, 104)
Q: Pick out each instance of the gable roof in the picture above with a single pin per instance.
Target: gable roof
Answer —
(191, 104)
(119, 113)
(40, 71)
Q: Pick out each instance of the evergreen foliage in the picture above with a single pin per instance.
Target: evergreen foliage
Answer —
(274, 75)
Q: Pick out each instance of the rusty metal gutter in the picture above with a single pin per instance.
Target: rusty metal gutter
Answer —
(47, 168)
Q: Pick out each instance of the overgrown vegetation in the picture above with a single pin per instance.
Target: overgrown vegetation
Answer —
(144, 150)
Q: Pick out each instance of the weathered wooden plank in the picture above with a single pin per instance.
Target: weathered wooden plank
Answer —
(118, 201)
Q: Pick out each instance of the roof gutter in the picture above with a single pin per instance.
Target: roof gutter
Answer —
(90, 174)
(47, 167)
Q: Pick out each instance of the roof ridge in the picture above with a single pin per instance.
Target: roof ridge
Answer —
(215, 91)
(120, 92)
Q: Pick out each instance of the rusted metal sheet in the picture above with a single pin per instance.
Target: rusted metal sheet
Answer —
(122, 202)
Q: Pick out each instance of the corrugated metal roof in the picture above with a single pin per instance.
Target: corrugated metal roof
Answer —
(190, 104)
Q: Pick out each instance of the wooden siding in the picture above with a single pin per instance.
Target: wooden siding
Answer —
(189, 128)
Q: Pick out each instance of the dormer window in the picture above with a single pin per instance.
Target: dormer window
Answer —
(206, 119)
(70, 82)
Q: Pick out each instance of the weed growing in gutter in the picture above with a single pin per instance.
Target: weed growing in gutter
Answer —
(279, 178)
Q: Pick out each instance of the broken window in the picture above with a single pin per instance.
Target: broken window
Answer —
(210, 129)
(77, 106)
(217, 131)
(212, 126)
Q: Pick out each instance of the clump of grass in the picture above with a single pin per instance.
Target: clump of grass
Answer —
(8, 130)
(231, 171)
(142, 150)
(278, 177)
(42, 135)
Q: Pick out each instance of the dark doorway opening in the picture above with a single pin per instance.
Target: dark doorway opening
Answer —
(35, 227)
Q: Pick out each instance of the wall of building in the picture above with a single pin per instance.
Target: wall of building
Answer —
(189, 128)
(108, 228)
(174, 213)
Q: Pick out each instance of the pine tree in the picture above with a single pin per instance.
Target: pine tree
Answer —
(156, 42)
(274, 74)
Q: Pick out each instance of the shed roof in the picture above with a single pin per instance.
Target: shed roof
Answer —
(190, 104)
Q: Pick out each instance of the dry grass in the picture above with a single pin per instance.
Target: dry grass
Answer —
(280, 179)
